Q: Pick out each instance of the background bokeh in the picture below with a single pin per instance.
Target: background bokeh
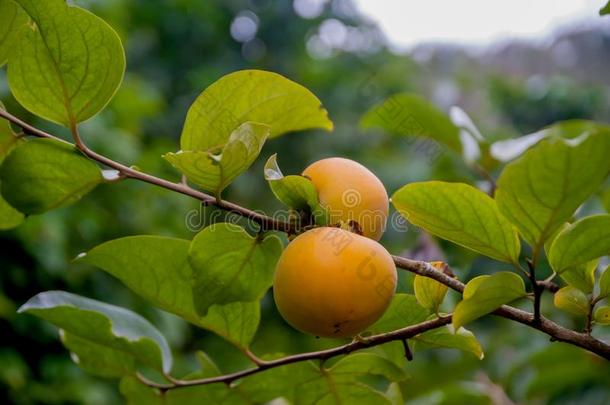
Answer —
(175, 48)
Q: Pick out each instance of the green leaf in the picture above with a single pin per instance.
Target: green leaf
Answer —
(489, 293)
(429, 292)
(581, 242)
(297, 192)
(44, 174)
(105, 324)
(361, 364)
(446, 337)
(306, 383)
(231, 266)
(605, 10)
(13, 23)
(602, 315)
(461, 214)
(9, 216)
(157, 269)
(404, 310)
(572, 300)
(541, 190)
(214, 169)
(250, 95)
(72, 59)
(98, 359)
(581, 276)
(411, 115)
(604, 283)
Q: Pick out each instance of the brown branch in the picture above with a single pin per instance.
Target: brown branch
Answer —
(555, 331)
(359, 344)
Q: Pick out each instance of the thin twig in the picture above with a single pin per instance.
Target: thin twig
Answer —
(536, 288)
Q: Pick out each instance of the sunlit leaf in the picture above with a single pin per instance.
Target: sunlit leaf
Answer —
(602, 315)
(157, 269)
(411, 115)
(446, 337)
(461, 214)
(13, 23)
(605, 10)
(250, 95)
(541, 190)
(98, 359)
(490, 293)
(581, 276)
(297, 192)
(44, 174)
(429, 292)
(231, 266)
(572, 300)
(68, 64)
(214, 169)
(581, 242)
(104, 324)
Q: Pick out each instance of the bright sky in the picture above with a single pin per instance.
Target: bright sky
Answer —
(476, 22)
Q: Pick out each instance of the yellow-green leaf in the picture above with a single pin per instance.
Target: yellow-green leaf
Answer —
(486, 295)
(411, 115)
(216, 168)
(297, 192)
(68, 64)
(250, 95)
(541, 190)
(581, 242)
(429, 292)
(461, 214)
(602, 315)
(572, 300)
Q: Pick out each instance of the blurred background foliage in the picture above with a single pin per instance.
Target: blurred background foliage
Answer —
(175, 48)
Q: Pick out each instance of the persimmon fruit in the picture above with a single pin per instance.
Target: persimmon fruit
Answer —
(331, 282)
(351, 192)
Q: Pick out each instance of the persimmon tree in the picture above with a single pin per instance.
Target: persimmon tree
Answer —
(64, 65)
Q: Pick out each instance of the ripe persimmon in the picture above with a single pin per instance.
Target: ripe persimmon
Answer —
(333, 283)
(351, 192)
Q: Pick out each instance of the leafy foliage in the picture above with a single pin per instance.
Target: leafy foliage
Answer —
(411, 115)
(542, 189)
(214, 169)
(12, 25)
(572, 300)
(297, 192)
(461, 214)
(45, 174)
(157, 268)
(583, 241)
(66, 68)
(73, 59)
(250, 95)
(103, 324)
(485, 294)
(231, 266)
